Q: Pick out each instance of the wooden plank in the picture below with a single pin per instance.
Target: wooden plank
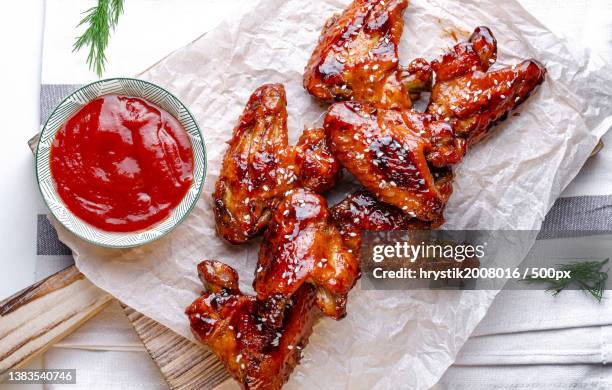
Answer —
(39, 316)
(184, 364)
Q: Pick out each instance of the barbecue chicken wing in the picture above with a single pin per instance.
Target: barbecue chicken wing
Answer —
(260, 166)
(471, 98)
(392, 152)
(258, 344)
(362, 211)
(356, 57)
(303, 247)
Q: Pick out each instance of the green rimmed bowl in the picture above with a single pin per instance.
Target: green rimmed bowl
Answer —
(69, 106)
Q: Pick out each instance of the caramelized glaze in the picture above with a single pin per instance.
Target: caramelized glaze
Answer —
(303, 246)
(259, 166)
(356, 57)
(258, 342)
(471, 99)
(362, 211)
(390, 151)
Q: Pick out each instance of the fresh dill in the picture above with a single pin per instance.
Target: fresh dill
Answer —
(100, 21)
(587, 275)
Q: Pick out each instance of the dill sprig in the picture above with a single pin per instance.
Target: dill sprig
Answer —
(587, 275)
(100, 21)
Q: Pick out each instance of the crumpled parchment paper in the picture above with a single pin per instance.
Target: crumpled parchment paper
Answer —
(390, 339)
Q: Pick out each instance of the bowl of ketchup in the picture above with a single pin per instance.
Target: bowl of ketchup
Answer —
(120, 162)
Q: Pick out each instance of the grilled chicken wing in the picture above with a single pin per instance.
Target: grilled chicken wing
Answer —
(302, 246)
(260, 166)
(471, 98)
(362, 211)
(258, 343)
(390, 153)
(356, 57)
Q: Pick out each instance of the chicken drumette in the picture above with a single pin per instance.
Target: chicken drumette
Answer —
(471, 99)
(260, 166)
(258, 342)
(356, 57)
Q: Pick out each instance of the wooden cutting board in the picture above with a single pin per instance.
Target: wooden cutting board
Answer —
(35, 318)
(184, 364)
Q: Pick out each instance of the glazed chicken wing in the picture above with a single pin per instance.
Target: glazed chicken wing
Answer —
(384, 148)
(390, 153)
(258, 343)
(356, 57)
(362, 211)
(260, 166)
(303, 247)
(471, 98)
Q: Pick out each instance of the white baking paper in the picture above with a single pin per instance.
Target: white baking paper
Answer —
(390, 339)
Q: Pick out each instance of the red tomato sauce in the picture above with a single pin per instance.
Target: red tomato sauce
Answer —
(121, 163)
